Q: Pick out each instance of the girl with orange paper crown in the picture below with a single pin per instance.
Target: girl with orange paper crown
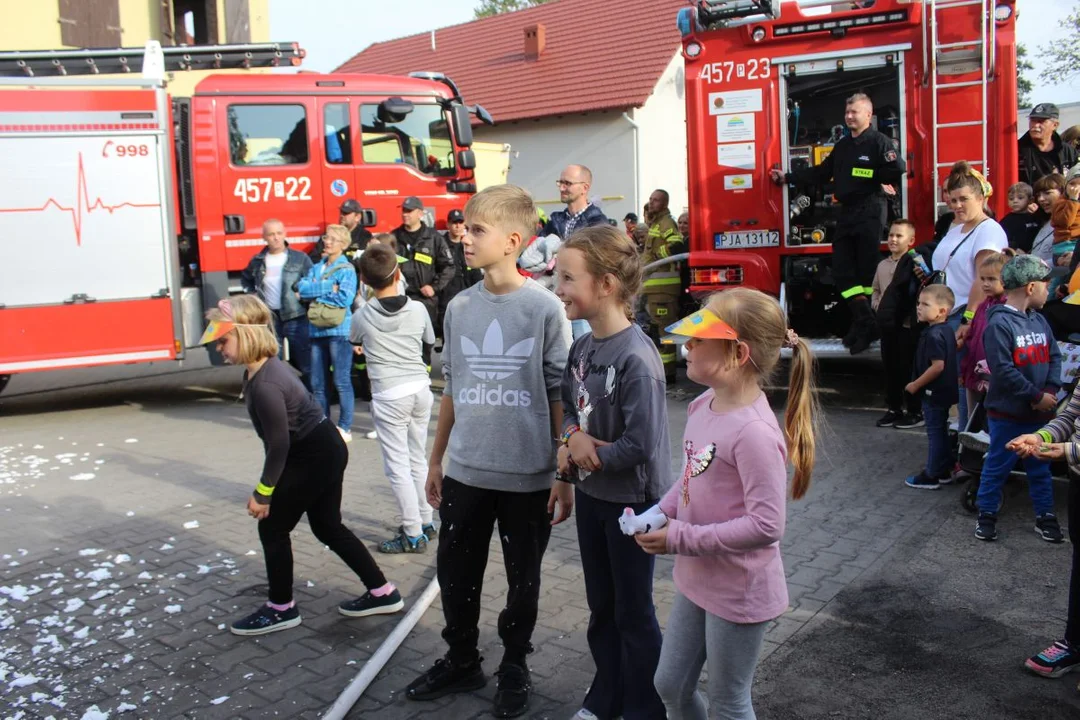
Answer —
(302, 473)
(616, 448)
(725, 515)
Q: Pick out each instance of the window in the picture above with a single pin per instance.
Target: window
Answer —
(268, 134)
(422, 139)
(338, 135)
(89, 23)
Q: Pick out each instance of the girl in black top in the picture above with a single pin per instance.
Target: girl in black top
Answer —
(303, 471)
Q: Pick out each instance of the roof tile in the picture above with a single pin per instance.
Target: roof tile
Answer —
(599, 55)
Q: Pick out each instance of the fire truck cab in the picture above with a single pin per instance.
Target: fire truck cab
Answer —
(766, 84)
(127, 213)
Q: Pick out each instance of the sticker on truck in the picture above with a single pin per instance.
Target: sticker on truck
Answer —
(750, 239)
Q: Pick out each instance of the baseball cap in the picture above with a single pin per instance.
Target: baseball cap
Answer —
(350, 206)
(1045, 110)
(1024, 269)
(631, 217)
(412, 203)
(455, 216)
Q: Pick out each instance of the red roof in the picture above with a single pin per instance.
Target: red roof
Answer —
(600, 54)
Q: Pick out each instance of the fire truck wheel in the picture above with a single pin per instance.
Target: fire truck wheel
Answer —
(4, 381)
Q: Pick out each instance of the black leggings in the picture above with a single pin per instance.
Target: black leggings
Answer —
(311, 483)
(1072, 626)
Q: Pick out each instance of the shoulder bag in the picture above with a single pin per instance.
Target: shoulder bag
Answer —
(938, 277)
(322, 315)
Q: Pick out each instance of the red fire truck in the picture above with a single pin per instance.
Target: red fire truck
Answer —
(125, 213)
(766, 84)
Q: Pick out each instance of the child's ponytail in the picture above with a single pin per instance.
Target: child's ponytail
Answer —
(802, 410)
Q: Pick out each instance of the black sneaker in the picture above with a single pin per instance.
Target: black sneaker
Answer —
(266, 620)
(922, 481)
(430, 531)
(1055, 660)
(1047, 526)
(888, 419)
(368, 604)
(446, 677)
(402, 543)
(907, 422)
(514, 688)
(986, 527)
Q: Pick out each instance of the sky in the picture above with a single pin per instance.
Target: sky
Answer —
(331, 37)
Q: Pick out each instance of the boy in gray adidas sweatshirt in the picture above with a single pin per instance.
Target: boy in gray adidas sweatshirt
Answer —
(392, 330)
(507, 340)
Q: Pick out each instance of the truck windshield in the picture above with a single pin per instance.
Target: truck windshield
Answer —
(422, 139)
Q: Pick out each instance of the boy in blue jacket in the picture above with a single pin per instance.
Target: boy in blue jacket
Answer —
(1025, 376)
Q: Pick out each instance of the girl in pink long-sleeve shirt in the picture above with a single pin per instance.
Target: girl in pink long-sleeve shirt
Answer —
(726, 513)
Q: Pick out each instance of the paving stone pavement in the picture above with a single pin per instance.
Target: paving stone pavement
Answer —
(125, 550)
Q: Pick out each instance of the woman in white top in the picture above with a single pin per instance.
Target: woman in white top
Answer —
(973, 236)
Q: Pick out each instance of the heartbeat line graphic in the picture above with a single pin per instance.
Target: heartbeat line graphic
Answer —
(82, 207)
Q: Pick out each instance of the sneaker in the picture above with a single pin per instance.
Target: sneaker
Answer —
(888, 419)
(371, 435)
(402, 543)
(514, 687)
(907, 422)
(959, 474)
(986, 527)
(430, 531)
(346, 435)
(1055, 660)
(266, 620)
(446, 677)
(1047, 526)
(584, 714)
(368, 604)
(977, 441)
(922, 481)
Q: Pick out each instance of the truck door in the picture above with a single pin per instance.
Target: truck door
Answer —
(271, 159)
(338, 156)
(403, 155)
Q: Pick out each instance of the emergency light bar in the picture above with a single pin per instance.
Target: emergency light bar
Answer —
(842, 25)
(712, 13)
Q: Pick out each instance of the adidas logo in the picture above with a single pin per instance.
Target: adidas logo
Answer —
(491, 362)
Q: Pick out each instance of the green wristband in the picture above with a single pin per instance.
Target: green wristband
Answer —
(969, 315)
(1045, 435)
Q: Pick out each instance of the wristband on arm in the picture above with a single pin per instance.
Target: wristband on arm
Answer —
(568, 432)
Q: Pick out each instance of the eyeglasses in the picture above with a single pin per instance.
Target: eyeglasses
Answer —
(568, 183)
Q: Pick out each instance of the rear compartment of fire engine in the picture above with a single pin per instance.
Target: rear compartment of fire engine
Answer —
(815, 103)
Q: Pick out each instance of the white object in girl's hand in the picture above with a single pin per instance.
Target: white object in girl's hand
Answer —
(652, 519)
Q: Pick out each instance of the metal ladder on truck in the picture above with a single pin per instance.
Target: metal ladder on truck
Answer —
(151, 60)
(964, 58)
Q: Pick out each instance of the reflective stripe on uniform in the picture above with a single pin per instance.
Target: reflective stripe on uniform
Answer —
(264, 490)
(658, 281)
(853, 291)
(666, 358)
(868, 290)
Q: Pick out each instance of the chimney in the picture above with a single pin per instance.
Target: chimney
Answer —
(535, 40)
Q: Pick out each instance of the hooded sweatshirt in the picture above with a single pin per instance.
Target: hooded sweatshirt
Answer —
(1024, 363)
(392, 332)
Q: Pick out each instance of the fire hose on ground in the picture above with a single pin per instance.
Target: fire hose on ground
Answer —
(377, 662)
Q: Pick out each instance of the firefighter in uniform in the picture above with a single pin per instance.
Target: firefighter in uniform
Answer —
(663, 286)
(428, 265)
(859, 165)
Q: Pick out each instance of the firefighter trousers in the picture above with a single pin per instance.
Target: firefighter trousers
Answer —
(663, 310)
(857, 248)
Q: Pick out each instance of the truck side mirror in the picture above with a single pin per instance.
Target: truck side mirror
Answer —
(462, 125)
(484, 116)
(367, 218)
(466, 159)
(393, 110)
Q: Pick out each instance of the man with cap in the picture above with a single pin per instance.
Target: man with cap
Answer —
(350, 211)
(429, 264)
(630, 221)
(1041, 150)
(464, 276)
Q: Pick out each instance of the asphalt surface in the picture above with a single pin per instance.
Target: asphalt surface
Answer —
(896, 610)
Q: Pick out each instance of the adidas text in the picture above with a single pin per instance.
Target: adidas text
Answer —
(494, 396)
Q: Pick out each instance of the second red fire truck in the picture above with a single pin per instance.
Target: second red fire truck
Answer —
(766, 84)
